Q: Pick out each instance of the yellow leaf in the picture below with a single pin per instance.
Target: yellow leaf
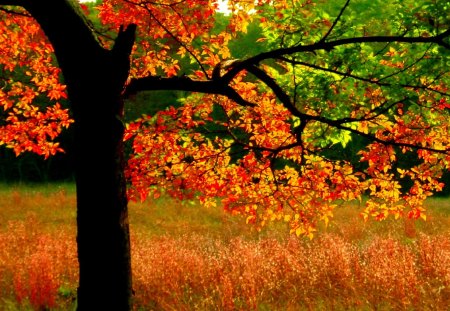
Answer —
(365, 216)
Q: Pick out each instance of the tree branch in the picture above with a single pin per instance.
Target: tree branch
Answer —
(378, 140)
(184, 83)
(121, 52)
(441, 38)
(278, 91)
(328, 46)
(363, 79)
(335, 21)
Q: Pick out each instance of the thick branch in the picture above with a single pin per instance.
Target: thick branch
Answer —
(278, 91)
(121, 52)
(328, 46)
(185, 84)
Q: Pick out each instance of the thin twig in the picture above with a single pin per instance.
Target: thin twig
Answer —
(335, 21)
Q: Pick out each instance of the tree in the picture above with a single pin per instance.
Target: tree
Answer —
(94, 77)
(262, 132)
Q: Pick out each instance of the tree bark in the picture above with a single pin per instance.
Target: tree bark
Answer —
(102, 218)
(95, 78)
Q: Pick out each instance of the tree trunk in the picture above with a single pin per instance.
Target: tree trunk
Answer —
(102, 216)
(102, 219)
(102, 213)
(95, 78)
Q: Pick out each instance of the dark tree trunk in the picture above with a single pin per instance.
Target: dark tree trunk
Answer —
(102, 220)
(95, 78)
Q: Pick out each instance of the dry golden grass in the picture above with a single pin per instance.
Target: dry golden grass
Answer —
(186, 257)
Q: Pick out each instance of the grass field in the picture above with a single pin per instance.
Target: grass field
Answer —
(186, 257)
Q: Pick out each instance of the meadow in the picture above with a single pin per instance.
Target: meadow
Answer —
(187, 257)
